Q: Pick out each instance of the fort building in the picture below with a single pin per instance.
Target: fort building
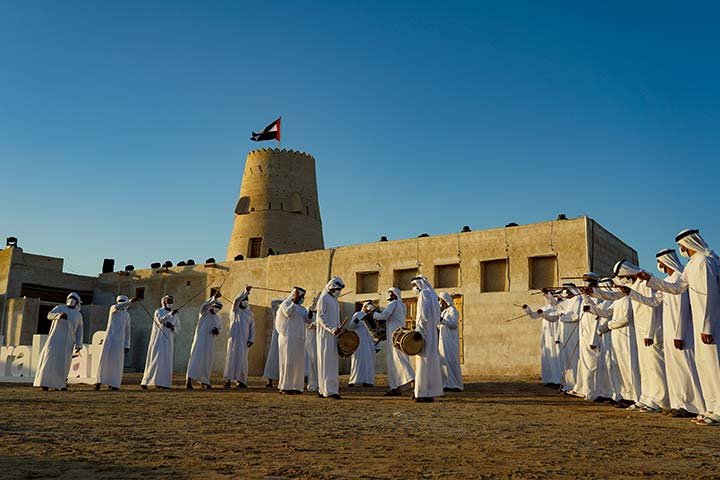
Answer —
(488, 273)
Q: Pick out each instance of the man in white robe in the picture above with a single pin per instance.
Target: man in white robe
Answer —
(311, 357)
(328, 327)
(241, 338)
(647, 314)
(291, 323)
(66, 331)
(449, 343)
(624, 343)
(550, 369)
(566, 311)
(608, 381)
(428, 379)
(272, 367)
(684, 390)
(116, 344)
(202, 351)
(159, 359)
(701, 277)
(399, 369)
(362, 361)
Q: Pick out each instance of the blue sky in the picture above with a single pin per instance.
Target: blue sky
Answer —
(124, 126)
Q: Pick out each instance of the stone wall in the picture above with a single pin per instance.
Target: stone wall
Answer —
(491, 345)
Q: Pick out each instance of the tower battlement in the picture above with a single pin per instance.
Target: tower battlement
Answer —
(278, 208)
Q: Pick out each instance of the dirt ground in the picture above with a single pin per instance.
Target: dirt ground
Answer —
(498, 428)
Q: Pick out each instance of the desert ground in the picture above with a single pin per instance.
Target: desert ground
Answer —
(499, 427)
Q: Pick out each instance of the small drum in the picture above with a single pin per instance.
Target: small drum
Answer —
(375, 327)
(408, 341)
(347, 342)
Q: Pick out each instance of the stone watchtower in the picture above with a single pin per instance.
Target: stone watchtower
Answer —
(278, 208)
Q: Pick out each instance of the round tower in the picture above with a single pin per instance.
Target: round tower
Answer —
(278, 209)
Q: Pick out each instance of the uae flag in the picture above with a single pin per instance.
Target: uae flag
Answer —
(271, 132)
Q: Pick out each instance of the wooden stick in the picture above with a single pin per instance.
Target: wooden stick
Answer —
(517, 318)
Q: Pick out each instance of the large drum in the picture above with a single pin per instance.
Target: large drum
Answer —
(408, 341)
(347, 342)
(375, 327)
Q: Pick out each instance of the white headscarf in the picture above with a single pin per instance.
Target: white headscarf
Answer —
(335, 282)
(121, 299)
(166, 297)
(396, 291)
(446, 296)
(623, 268)
(573, 288)
(670, 258)
(422, 283)
(77, 299)
(691, 239)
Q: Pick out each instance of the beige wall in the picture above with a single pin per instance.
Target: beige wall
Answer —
(491, 345)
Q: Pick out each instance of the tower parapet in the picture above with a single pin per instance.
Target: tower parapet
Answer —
(278, 208)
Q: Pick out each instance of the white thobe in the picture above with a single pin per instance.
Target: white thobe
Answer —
(569, 339)
(399, 369)
(588, 356)
(328, 319)
(362, 361)
(682, 380)
(608, 382)
(648, 324)
(56, 355)
(449, 350)
(202, 351)
(550, 369)
(624, 346)
(117, 339)
(701, 277)
(290, 322)
(242, 331)
(272, 368)
(311, 357)
(428, 379)
(159, 359)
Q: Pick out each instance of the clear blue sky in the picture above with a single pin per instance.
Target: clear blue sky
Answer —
(124, 126)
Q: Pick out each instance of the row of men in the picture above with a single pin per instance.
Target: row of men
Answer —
(637, 341)
(438, 364)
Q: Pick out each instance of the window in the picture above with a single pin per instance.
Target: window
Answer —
(255, 247)
(242, 206)
(367, 282)
(543, 272)
(447, 276)
(410, 312)
(140, 293)
(494, 275)
(296, 203)
(402, 278)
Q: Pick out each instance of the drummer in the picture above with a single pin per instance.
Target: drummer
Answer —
(362, 362)
(399, 370)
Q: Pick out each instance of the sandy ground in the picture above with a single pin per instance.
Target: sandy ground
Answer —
(498, 428)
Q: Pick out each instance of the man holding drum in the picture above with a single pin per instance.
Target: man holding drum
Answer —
(399, 369)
